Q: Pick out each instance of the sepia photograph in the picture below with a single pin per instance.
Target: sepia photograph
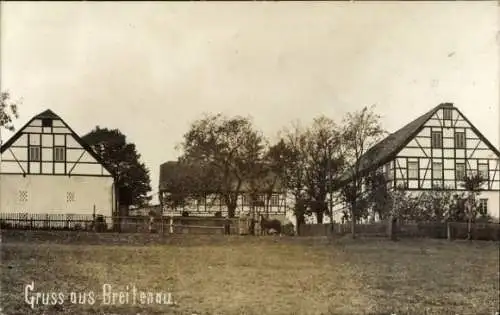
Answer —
(250, 157)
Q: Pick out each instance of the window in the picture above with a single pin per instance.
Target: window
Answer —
(412, 170)
(245, 200)
(460, 140)
(46, 122)
(23, 196)
(447, 114)
(437, 170)
(70, 196)
(483, 206)
(59, 154)
(34, 153)
(471, 173)
(437, 139)
(260, 200)
(275, 200)
(482, 169)
(459, 171)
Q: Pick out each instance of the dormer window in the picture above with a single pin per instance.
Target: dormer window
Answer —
(46, 122)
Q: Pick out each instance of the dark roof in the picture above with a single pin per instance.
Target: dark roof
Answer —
(385, 150)
(47, 114)
(174, 173)
(50, 114)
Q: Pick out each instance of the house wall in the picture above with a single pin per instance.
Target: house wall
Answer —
(438, 166)
(420, 151)
(50, 194)
(76, 160)
(211, 203)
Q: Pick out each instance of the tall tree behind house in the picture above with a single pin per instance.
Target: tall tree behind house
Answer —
(132, 177)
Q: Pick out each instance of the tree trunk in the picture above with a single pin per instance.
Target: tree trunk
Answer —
(353, 220)
(231, 210)
(300, 220)
(319, 217)
(353, 228)
(332, 225)
(469, 228)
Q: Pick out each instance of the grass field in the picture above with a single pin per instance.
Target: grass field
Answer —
(261, 275)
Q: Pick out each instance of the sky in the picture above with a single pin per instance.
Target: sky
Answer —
(151, 68)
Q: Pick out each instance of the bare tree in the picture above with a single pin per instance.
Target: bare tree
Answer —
(361, 131)
(228, 145)
(323, 165)
(294, 169)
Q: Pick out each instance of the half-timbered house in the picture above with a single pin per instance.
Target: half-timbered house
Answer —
(46, 168)
(269, 199)
(436, 151)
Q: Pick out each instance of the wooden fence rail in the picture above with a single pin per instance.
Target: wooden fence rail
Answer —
(443, 230)
(126, 224)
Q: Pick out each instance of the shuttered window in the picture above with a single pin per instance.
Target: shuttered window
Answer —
(437, 139)
(460, 140)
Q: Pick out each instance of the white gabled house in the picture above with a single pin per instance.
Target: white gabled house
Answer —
(46, 168)
(437, 150)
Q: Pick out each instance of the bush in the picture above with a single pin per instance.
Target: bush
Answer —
(289, 229)
(100, 224)
(5, 225)
(218, 214)
(185, 213)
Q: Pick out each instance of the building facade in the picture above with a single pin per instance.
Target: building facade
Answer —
(270, 200)
(46, 168)
(437, 151)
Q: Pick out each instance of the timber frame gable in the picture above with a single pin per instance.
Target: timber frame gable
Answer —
(57, 150)
(427, 152)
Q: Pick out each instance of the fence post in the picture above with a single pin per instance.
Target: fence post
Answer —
(162, 225)
(448, 231)
(171, 224)
(93, 220)
(392, 228)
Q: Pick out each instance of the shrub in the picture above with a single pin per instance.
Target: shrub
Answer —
(289, 229)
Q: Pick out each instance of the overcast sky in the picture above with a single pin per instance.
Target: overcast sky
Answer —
(150, 69)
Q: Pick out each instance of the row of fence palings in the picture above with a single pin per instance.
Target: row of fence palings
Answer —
(216, 225)
(442, 230)
(126, 224)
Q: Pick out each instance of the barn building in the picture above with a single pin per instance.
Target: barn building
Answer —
(46, 168)
(270, 200)
(436, 151)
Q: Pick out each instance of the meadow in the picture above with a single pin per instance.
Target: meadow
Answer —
(253, 275)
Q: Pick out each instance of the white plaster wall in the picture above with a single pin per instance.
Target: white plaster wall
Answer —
(48, 194)
(493, 202)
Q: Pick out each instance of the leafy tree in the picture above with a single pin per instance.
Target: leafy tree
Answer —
(8, 111)
(361, 131)
(120, 157)
(323, 163)
(229, 146)
(274, 163)
(378, 195)
(183, 183)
